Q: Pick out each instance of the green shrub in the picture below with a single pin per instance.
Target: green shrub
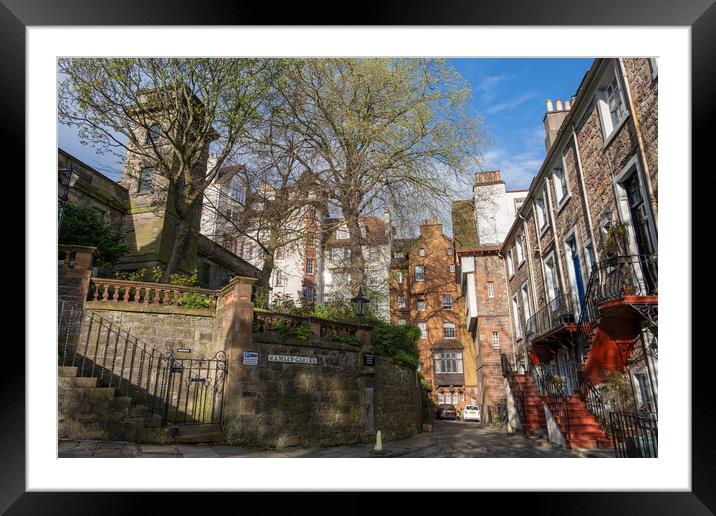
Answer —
(303, 331)
(399, 342)
(342, 337)
(185, 280)
(83, 224)
(194, 300)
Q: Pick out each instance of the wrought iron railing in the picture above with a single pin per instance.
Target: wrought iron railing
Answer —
(612, 279)
(181, 390)
(515, 388)
(558, 312)
(555, 392)
(634, 435)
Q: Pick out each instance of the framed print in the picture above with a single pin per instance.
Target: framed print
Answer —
(431, 238)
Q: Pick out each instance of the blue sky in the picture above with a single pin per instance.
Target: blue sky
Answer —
(508, 93)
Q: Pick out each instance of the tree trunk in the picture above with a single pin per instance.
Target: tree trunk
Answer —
(180, 247)
(265, 277)
(356, 248)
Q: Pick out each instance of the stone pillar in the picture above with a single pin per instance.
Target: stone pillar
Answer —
(234, 321)
(74, 273)
(367, 384)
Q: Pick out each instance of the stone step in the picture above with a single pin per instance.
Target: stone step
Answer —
(200, 437)
(86, 381)
(138, 411)
(153, 421)
(66, 371)
(98, 392)
(120, 402)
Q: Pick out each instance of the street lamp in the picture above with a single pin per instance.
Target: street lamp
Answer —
(360, 304)
(68, 178)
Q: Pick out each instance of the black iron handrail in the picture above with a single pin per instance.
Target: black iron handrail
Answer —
(554, 390)
(635, 435)
(515, 388)
(558, 312)
(99, 348)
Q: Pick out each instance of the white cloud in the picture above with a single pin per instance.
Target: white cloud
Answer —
(487, 86)
(518, 165)
(510, 104)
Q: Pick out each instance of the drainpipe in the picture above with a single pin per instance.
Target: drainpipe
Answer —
(640, 140)
(509, 308)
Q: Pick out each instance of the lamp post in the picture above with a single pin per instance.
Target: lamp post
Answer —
(68, 178)
(360, 305)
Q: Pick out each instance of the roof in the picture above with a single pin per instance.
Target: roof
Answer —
(376, 231)
(464, 227)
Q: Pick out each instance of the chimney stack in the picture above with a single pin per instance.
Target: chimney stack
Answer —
(553, 120)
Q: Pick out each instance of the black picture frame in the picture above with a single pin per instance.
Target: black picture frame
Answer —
(700, 15)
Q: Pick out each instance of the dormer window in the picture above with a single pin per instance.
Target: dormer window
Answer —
(153, 134)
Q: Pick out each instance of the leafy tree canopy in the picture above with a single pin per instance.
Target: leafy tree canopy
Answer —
(83, 224)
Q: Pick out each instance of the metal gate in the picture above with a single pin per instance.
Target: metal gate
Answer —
(194, 392)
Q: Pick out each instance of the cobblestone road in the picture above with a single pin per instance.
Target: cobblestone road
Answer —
(450, 439)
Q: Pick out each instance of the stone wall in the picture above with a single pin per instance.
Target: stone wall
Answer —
(164, 327)
(306, 404)
(397, 399)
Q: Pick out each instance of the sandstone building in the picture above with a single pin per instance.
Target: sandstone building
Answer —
(581, 256)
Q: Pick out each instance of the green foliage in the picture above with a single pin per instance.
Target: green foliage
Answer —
(343, 337)
(425, 384)
(303, 331)
(617, 241)
(261, 297)
(194, 300)
(398, 342)
(137, 275)
(83, 224)
(157, 273)
(185, 280)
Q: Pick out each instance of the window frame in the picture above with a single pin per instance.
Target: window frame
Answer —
(442, 301)
(423, 327)
(490, 289)
(495, 339)
(401, 302)
(419, 276)
(142, 180)
(312, 269)
(608, 125)
(563, 193)
(449, 326)
(516, 316)
(152, 136)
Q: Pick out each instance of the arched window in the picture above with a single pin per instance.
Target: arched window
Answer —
(154, 133)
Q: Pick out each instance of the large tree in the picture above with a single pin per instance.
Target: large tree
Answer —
(379, 134)
(198, 106)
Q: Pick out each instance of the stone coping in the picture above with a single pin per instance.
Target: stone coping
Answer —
(308, 343)
(83, 248)
(149, 309)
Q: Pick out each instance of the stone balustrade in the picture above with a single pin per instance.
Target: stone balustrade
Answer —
(75, 256)
(141, 292)
(267, 323)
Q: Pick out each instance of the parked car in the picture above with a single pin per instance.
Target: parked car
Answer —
(446, 412)
(471, 413)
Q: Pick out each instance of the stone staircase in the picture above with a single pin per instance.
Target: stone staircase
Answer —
(90, 411)
(582, 430)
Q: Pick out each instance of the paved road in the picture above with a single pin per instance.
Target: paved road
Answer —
(449, 439)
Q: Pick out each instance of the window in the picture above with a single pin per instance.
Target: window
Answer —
(420, 305)
(448, 362)
(454, 398)
(398, 254)
(279, 279)
(146, 180)
(423, 329)
(310, 239)
(278, 253)
(516, 317)
(449, 330)
(495, 340)
(237, 192)
(373, 254)
(449, 251)
(589, 255)
(542, 220)
(451, 267)
(310, 266)
(518, 203)
(510, 266)
(441, 398)
(363, 231)
(155, 131)
(612, 109)
(402, 322)
(490, 289)
(420, 273)
(447, 301)
(519, 245)
(561, 191)
(550, 273)
(308, 294)
(526, 301)
(399, 277)
(247, 250)
(339, 253)
(342, 233)
(401, 301)
(421, 252)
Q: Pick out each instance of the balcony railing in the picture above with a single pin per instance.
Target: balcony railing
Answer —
(623, 276)
(557, 313)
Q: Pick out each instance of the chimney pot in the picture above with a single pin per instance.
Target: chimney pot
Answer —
(567, 105)
(559, 105)
(549, 105)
